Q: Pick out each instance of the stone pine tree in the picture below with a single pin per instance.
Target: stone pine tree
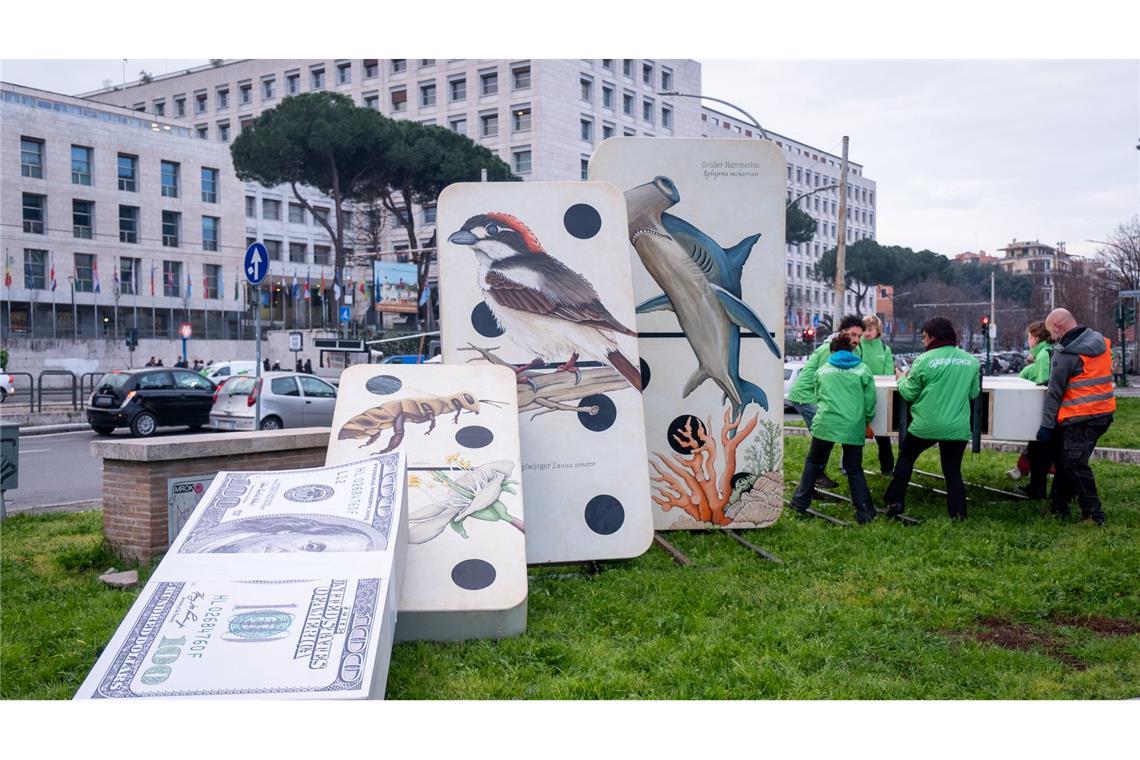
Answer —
(870, 264)
(799, 227)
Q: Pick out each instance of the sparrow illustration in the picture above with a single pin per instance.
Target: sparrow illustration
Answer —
(545, 307)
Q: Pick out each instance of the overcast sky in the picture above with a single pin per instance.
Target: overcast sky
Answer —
(967, 154)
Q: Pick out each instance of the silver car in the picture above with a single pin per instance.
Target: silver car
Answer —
(288, 400)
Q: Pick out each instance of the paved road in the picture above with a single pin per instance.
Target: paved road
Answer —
(59, 469)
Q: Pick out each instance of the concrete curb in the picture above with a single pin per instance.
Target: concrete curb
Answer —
(1123, 456)
(67, 506)
(49, 429)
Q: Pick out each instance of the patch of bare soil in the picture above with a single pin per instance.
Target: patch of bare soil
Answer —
(1021, 637)
(1104, 626)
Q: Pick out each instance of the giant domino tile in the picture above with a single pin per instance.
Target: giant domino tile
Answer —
(728, 190)
(584, 450)
(465, 578)
(1011, 407)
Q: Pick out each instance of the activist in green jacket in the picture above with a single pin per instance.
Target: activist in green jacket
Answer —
(1041, 351)
(846, 390)
(803, 390)
(876, 355)
(939, 388)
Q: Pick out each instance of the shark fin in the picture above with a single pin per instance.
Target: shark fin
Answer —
(740, 313)
(738, 254)
(751, 393)
(657, 303)
(694, 380)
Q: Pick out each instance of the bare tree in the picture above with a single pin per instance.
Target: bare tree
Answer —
(1120, 254)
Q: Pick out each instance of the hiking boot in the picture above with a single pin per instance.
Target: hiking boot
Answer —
(825, 482)
(865, 516)
(1095, 519)
(894, 510)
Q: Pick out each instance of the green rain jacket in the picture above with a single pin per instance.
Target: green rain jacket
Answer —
(877, 356)
(846, 390)
(939, 387)
(804, 390)
(1038, 369)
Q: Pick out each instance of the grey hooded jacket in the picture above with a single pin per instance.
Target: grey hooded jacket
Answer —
(1065, 364)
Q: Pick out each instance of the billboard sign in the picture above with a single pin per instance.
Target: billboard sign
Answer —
(395, 286)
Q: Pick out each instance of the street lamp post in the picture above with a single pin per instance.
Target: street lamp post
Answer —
(751, 118)
(809, 194)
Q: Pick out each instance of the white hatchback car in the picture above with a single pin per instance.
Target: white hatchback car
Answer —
(288, 400)
(221, 371)
(791, 373)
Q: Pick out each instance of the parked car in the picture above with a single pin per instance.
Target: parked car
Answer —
(7, 386)
(404, 359)
(219, 372)
(147, 399)
(791, 372)
(288, 400)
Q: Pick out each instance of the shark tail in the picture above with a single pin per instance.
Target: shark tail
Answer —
(750, 393)
(626, 368)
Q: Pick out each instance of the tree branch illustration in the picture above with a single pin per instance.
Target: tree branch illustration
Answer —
(555, 391)
(690, 481)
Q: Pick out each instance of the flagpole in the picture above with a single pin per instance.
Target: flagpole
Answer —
(135, 297)
(53, 315)
(95, 294)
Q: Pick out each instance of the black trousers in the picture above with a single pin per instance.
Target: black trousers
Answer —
(1072, 447)
(852, 462)
(886, 453)
(1040, 457)
(950, 452)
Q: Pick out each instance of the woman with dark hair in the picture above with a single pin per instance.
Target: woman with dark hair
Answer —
(845, 392)
(1034, 459)
(942, 382)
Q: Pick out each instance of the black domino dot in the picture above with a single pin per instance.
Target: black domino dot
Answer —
(604, 514)
(605, 416)
(645, 374)
(484, 321)
(677, 428)
(473, 574)
(474, 437)
(739, 477)
(382, 385)
(582, 221)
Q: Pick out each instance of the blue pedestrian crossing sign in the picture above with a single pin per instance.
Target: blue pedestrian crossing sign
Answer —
(256, 263)
(345, 313)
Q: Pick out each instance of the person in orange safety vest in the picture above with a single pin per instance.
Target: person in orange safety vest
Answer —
(1078, 410)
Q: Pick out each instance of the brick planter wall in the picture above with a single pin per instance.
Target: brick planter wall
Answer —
(135, 474)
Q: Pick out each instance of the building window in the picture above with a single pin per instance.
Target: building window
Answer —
(520, 119)
(222, 98)
(35, 213)
(647, 73)
(372, 101)
(520, 78)
(179, 107)
(268, 88)
(666, 79)
(629, 132)
(169, 179)
(321, 254)
(296, 213)
(245, 93)
(270, 209)
(427, 95)
(128, 224)
(458, 89)
(399, 65)
(211, 273)
(647, 110)
(585, 167)
(343, 73)
(607, 97)
(35, 265)
(31, 157)
(459, 125)
(83, 219)
(203, 131)
(209, 185)
(521, 161)
(586, 130)
(489, 83)
(129, 276)
(297, 252)
(250, 207)
(489, 125)
(84, 272)
(608, 63)
(172, 279)
(320, 214)
(200, 102)
(666, 117)
(159, 108)
(292, 83)
(371, 68)
(223, 131)
(210, 233)
(586, 88)
(399, 100)
(80, 165)
(429, 215)
(273, 248)
(607, 131)
(627, 103)
(171, 229)
(627, 67)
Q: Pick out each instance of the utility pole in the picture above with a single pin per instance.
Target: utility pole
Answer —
(841, 243)
(993, 308)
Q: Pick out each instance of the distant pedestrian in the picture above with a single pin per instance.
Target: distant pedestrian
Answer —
(845, 406)
(308, 366)
(1079, 405)
(878, 357)
(159, 363)
(942, 382)
(803, 395)
(299, 367)
(151, 362)
(265, 363)
(1037, 457)
(276, 367)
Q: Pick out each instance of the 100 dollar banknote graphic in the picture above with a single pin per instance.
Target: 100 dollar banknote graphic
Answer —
(298, 638)
(344, 508)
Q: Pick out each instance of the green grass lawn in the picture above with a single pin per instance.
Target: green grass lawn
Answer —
(886, 611)
(1125, 430)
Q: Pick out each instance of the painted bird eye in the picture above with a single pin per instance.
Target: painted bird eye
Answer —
(492, 229)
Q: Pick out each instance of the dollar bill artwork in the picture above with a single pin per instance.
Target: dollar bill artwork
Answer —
(344, 508)
(308, 639)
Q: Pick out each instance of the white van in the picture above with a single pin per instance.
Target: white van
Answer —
(222, 371)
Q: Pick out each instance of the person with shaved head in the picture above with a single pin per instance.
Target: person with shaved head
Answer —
(1078, 409)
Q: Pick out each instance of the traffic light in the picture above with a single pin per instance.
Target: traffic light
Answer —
(808, 335)
(1126, 316)
(985, 321)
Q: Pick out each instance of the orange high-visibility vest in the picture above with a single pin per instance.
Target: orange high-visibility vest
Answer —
(1090, 393)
